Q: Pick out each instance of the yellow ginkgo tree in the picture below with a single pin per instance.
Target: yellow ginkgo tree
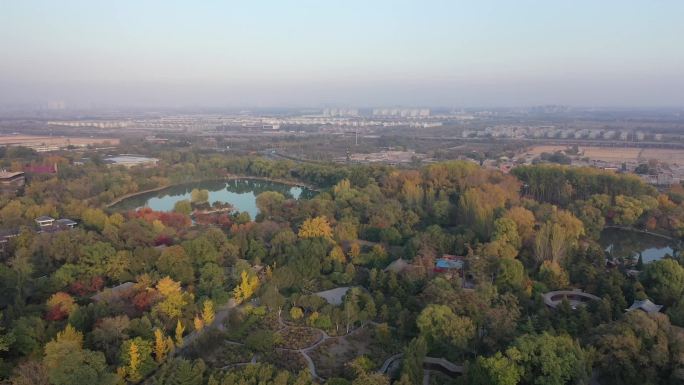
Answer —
(246, 288)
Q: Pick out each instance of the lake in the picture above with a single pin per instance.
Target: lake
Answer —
(241, 193)
(624, 243)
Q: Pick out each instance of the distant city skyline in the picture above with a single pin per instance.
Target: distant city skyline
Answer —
(355, 53)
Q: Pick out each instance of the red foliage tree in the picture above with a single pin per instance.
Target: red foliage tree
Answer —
(175, 220)
(60, 305)
(81, 288)
(163, 239)
(144, 300)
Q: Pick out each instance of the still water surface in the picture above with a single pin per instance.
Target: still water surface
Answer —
(624, 243)
(241, 193)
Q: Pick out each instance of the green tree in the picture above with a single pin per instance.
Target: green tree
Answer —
(553, 275)
(94, 218)
(199, 196)
(28, 335)
(189, 373)
(212, 282)
(183, 207)
(272, 298)
(639, 349)
(439, 324)
(109, 334)
(269, 203)
(412, 364)
(495, 370)
(362, 366)
(201, 251)
(68, 363)
(510, 275)
(664, 281)
(261, 341)
(549, 360)
(175, 263)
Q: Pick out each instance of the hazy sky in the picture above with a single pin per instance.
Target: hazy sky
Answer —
(355, 53)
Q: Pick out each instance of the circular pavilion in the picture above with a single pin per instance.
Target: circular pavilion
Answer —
(575, 297)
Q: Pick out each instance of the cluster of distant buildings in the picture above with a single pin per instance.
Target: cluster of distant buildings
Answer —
(379, 112)
(552, 132)
(665, 176)
(128, 160)
(391, 157)
(173, 123)
(11, 182)
(402, 112)
(354, 112)
(244, 121)
(53, 143)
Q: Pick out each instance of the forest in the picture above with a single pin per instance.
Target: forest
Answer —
(145, 297)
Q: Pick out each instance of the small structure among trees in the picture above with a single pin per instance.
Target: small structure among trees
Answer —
(576, 298)
(646, 306)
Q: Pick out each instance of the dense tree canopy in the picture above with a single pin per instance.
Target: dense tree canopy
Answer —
(137, 296)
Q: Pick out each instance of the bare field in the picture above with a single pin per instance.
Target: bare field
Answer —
(618, 154)
(664, 155)
(60, 141)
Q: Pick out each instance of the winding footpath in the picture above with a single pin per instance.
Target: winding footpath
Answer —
(304, 352)
(224, 311)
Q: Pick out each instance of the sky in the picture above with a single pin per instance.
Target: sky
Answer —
(290, 53)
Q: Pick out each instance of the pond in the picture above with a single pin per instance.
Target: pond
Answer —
(623, 243)
(241, 193)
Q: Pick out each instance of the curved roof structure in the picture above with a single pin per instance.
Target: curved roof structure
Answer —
(575, 297)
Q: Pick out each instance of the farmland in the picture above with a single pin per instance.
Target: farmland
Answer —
(47, 143)
(618, 154)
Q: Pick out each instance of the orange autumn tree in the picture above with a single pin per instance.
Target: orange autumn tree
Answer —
(315, 228)
(198, 323)
(60, 305)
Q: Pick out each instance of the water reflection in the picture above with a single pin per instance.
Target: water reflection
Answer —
(625, 244)
(241, 193)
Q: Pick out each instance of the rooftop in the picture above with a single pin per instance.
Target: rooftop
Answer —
(449, 263)
(65, 222)
(397, 266)
(130, 159)
(334, 296)
(112, 292)
(645, 305)
(10, 174)
(574, 297)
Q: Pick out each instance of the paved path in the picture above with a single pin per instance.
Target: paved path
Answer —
(446, 365)
(385, 366)
(304, 352)
(222, 312)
